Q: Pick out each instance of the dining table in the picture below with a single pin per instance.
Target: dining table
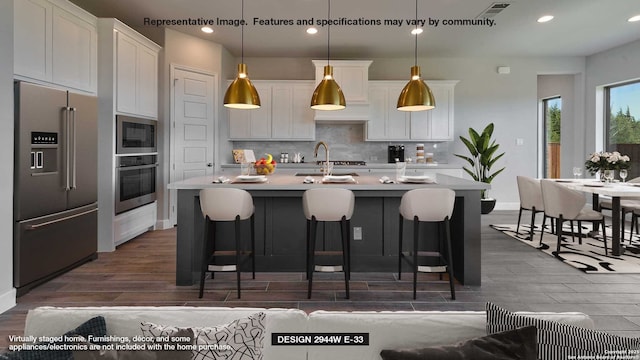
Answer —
(615, 190)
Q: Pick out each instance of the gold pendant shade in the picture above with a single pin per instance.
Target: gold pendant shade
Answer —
(416, 95)
(241, 94)
(328, 95)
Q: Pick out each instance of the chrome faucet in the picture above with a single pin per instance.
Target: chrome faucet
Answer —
(325, 169)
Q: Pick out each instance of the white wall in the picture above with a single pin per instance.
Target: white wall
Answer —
(7, 292)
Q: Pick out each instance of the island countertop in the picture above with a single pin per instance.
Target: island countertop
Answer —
(287, 180)
(281, 225)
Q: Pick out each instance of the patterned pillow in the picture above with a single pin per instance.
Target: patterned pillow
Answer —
(507, 345)
(241, 339)
(563, 341)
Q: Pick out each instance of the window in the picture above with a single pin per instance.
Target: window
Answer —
(622, 116)
(552, 119)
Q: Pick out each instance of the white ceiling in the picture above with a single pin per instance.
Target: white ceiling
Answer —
(580, 27)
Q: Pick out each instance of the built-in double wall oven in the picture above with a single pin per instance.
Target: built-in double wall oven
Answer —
(136, 162)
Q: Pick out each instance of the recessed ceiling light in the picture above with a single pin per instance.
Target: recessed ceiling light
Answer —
(416, 31)
(312, 31)
(634, 18)
(545, 18)
(206, 29)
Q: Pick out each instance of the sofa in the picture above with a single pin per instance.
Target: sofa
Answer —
(385, 329)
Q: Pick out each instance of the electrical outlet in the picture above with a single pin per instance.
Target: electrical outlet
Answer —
(357, 233)
(519, 141)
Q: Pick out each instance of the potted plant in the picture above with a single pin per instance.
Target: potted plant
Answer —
(482, 150)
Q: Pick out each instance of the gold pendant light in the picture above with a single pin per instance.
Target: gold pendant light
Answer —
(328, 95)
(416, 95)
(241, 94)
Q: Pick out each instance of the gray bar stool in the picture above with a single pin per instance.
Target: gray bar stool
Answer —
(226, 204)
(328, 204)
(433, 206)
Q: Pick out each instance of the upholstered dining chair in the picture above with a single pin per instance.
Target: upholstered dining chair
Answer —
(627, 206)
(531, 200)
(564, 204)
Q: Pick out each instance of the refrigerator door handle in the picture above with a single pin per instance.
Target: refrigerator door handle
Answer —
(37, 226)
(74, 153)
(67, 152)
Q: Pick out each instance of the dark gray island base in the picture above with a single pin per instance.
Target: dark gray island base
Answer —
(281, 225)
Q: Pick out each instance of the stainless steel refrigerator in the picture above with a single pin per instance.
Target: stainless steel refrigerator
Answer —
(55, 187)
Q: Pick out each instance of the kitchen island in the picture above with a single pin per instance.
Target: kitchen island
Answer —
(281, 225)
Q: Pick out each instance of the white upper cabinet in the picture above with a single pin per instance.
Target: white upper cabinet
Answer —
(284, 113)
(55, 42)
(136, 73)
(386, 123)
(353, 78)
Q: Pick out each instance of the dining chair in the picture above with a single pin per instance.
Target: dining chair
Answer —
(627, 206)
(564, 204)
(531, 200)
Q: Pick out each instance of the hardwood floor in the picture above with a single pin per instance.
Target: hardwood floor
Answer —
(514, 275)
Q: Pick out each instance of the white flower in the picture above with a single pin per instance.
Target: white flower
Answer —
(625, 158)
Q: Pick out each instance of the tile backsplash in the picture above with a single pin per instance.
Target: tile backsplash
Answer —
(346, 142)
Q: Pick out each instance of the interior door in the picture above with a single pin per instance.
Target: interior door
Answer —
(193, 130)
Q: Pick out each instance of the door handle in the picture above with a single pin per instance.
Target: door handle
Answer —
(74, 149)
(67, 152)
(209, 164)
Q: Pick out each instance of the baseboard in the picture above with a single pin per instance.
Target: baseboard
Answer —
(164, 224)
(507, 206)
(7, 300)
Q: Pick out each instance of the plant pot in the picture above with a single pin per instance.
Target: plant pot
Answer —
(487, 205)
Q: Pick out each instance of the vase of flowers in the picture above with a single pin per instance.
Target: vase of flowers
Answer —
(601, 161)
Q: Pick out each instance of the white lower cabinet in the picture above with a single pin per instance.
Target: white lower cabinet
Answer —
(128, 225)
(284, 114)
(386, 123)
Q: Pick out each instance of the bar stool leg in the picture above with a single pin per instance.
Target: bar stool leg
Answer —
(306, 264)
(400, 248)
(238, 254)
(449, 257)
(345, 254)
(416, 229)
(348, 230)
(253, 246)
(312, 246)
(205, 257)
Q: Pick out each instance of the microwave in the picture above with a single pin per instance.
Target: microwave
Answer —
(136, 135)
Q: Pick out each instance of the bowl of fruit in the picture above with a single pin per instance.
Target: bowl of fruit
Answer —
(265, 166)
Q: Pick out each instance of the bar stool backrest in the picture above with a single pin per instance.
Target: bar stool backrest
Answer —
(427, 204)
(328, 204)
(560, 200)
(530, 193)
(224, 204)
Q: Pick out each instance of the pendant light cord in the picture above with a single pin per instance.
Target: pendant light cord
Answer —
(328, 31)
(242, 32)
(415, 55)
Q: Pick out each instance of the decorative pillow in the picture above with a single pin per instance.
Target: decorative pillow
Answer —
(241, 339)
(144, 350)
(95, 326)
(518, 344)
(562, 341)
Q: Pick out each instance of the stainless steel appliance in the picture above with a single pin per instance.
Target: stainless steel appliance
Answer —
(135, 181)
(55, 186)
(395, 152)
(135, 135)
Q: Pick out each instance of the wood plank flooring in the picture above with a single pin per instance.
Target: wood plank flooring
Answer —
(514, 275)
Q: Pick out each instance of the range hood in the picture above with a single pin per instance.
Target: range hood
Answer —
(353, 78)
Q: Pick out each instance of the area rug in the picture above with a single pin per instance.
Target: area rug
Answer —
(588, 256)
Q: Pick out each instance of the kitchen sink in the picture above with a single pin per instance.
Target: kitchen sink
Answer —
(320, 174)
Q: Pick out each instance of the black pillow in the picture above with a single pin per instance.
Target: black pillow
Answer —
(518, 344)
(95, 326)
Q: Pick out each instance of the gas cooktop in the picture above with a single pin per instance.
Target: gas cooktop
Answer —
(344, 162)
